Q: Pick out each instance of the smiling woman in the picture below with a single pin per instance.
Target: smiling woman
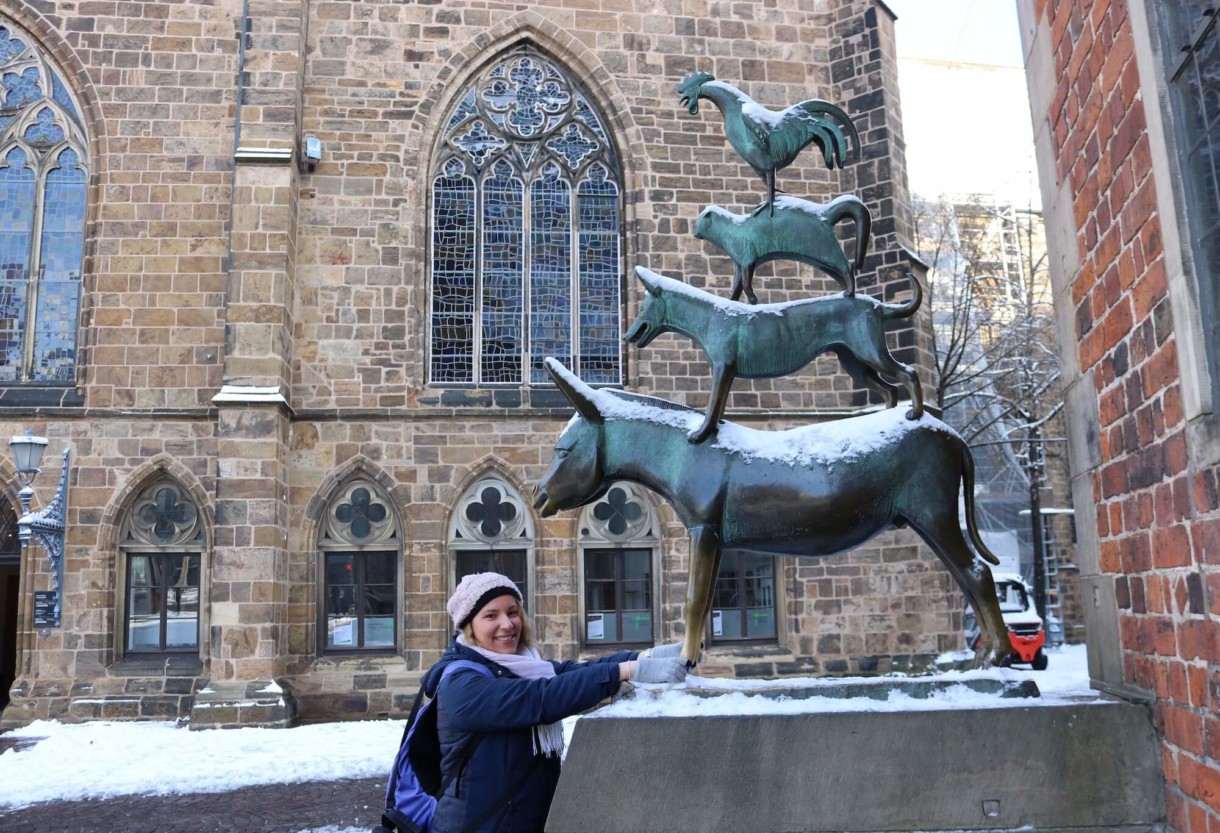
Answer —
(499, 725)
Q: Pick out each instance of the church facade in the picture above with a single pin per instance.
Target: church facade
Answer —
(279, 276)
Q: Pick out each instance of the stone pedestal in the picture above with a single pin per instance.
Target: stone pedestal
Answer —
(1090, 766)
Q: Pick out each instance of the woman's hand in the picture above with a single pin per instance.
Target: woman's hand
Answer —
(653, 670)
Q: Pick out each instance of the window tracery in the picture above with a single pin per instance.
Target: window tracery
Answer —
(526, 232)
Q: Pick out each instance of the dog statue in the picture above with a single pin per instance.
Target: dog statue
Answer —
(769, 340)
(800, 230)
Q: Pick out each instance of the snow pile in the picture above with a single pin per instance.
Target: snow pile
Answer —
(1065, 680)
(104, 759)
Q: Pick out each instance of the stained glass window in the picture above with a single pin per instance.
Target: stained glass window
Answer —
(43, 182)
(526, 232)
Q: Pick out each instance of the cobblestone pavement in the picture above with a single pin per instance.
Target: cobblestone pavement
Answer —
(283, 808)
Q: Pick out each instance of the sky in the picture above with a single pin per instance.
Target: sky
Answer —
(125, 758)
(965, 105)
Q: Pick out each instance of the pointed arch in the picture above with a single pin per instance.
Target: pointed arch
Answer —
(490, 526)
(619, 567)
(158, 528)
(454, 325)
(160, 466)
(355, 524)
(524, 28)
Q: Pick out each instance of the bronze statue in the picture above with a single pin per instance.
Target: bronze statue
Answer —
(769, 340)
(768, 140)
(799, 230)
(810, 491)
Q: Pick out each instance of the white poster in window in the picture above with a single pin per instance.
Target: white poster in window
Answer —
(717, 625)
(595, 627)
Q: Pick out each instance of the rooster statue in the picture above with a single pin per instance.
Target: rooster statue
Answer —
(768, 140)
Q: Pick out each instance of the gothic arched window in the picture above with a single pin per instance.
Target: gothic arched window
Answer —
(361, 552)
(526, 232)
(162, 541)
(43, 181)
(620, 560)
(491, 531)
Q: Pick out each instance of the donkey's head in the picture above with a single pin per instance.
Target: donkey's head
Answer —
(652, 320)
(577, 473)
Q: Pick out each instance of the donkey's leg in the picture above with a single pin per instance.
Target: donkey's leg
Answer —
(722, 383)
(944, 536)
(704, 564)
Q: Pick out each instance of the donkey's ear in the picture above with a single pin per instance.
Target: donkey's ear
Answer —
(577, 392)
(650, 279)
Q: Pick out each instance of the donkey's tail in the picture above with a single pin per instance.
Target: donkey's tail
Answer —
(968, 495)
(903, 310)
(850, 206)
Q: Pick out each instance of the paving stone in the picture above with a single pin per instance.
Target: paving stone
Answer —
(284, 808)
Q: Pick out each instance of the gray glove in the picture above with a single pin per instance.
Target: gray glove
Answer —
(660, 670)
(670, 650)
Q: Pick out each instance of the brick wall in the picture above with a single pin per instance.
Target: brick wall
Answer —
(1152, 542)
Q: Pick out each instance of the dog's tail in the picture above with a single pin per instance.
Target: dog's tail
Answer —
(850, 206)
(972, 526)
(889, 311)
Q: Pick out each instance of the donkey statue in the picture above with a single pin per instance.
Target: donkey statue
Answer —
(810, 491)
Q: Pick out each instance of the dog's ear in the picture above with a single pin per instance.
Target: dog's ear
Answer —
(650, 279)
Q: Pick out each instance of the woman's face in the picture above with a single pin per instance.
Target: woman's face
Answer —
(497, 626)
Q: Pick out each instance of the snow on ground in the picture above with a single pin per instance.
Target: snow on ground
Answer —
(107, 759)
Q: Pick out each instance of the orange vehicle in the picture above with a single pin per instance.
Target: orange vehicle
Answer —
(1026, 631)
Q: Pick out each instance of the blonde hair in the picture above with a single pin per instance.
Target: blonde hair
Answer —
(525, 638)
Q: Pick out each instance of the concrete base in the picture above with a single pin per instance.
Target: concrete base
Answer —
(234, 703)
(1091, 766)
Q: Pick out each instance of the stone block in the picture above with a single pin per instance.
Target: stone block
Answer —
(1086, 767)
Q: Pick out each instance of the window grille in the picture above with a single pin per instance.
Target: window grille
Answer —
(526, 232)
(743, 604)
(619, 537)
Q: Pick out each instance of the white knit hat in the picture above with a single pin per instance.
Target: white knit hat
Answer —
(476, 590)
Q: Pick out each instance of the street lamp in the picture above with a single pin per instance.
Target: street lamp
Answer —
(46, 526)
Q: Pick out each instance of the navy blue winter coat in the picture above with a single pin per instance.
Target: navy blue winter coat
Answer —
(504, 709)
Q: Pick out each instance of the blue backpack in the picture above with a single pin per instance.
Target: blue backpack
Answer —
(415, 781)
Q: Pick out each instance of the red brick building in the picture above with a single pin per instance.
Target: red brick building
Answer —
(1123, 94)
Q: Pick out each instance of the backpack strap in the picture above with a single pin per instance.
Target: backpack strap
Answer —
(473, 743)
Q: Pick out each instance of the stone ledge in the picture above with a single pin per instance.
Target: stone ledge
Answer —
(232, 704)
